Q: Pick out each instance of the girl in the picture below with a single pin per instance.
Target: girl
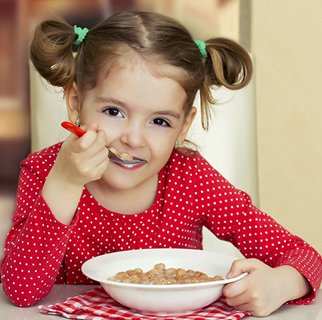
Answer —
(132, 84)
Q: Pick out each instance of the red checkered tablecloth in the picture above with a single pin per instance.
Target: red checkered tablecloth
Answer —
(96, 304)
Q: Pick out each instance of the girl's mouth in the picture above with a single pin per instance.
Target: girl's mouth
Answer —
(123, 158)
(129, 166)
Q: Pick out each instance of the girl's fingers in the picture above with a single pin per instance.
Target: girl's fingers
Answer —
(263, 290)
(100, 169)
(99, 159)
(98, 148)
(89, 144)
(238, 288)
(234, 289)
(93, 126)
(241, 266)
(239, 303)
(86, 156)
(93, 159)
(80, 144)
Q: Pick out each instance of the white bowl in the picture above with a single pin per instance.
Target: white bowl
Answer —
(161, 300)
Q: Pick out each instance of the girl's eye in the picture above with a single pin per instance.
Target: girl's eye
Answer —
(114, 112)
(160, 122)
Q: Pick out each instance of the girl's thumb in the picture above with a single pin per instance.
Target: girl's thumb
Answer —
(240, 266)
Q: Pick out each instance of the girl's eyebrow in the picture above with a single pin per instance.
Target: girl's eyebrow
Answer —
(169, 113)
(120, 103)
(110, 100)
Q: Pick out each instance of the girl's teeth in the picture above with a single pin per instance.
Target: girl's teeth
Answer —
(129, 165)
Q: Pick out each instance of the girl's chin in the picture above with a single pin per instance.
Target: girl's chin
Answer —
(120, 178)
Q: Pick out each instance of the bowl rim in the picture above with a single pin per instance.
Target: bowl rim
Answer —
(158, 286)
(173, 286)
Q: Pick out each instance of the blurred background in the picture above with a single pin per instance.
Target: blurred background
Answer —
(283, 35)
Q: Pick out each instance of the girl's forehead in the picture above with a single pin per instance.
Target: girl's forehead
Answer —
(134, 65)
(135, 85)
(135, 62)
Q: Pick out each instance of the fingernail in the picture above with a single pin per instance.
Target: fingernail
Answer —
(228, 274)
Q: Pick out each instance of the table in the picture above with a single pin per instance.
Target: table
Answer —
(60, 293)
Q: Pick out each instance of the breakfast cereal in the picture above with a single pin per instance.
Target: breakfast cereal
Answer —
(122, 155)
(159, 275)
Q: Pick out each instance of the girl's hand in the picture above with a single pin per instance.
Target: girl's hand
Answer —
(85, 159)
(264, 289)
(79, 161)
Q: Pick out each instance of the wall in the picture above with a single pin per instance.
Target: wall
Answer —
(204, 19)
(17, 18)
(285, 37)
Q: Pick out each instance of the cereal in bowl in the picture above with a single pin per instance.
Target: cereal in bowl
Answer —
(159, 275)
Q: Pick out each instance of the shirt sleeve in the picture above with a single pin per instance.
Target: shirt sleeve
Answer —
(35, 245)
(232, 217)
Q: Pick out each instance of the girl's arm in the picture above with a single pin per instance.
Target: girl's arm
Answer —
(37, 241)
(265, 288)
(46, 206)
(281, 266)
(80, 160)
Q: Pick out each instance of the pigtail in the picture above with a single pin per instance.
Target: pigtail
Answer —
(51, 52)
(229, 65)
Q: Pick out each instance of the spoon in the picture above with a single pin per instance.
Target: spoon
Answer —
(113, 157)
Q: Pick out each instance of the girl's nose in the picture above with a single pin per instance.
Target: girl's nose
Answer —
(133, 136)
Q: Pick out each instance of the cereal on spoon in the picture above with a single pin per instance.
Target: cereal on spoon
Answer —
(122, 155)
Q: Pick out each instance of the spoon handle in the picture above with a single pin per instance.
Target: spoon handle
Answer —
(73, 128)
(79, 132)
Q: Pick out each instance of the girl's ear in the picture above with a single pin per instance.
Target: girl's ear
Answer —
(186, 125)
(73, 102)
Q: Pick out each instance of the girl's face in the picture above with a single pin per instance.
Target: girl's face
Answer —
(141, 114)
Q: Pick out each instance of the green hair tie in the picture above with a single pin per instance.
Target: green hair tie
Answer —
(202, 47)
(81, 34)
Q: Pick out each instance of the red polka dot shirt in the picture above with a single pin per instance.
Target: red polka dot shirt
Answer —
(41, 251)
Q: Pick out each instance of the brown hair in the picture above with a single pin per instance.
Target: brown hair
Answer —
(153, 37)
